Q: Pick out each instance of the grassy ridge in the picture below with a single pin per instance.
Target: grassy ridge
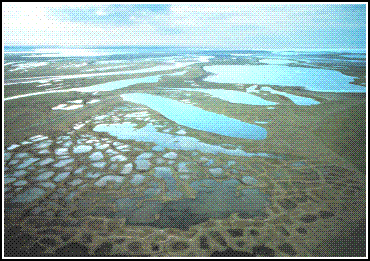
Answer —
(345, 134)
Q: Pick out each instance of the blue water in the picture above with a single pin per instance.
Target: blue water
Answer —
(312, 79)
(149, 133)
(196, 118)
(298, 100)
(233, 96)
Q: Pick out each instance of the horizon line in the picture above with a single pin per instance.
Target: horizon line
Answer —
(198, 47)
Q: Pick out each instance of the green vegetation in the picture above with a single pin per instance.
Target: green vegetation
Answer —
(344, 132)
(311, 181)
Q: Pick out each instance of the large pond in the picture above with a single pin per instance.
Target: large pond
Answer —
(197, 118)
(150, 133)
(311, 78)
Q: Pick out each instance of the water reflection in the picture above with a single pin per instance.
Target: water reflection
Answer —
(196, 118)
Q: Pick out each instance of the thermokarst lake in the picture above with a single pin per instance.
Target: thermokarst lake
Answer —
(183, 151)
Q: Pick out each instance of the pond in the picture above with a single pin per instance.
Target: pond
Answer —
(197, 118)
(213, 200)
(149, 133)
(313, 79)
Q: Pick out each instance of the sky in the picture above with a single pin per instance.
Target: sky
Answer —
(234, 26)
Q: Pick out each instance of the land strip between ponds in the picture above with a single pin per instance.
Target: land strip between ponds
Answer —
(216, 123)
(158, 68)
(319, 218)
(335, 157)
(66, 115)
(70, 114)
(109, 86)
(36, 93)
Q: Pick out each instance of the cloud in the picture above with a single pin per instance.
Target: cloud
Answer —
(103, 15)
(234, 25)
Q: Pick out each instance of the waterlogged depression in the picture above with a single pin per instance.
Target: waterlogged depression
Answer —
(196, 118)
(321, 80)
(154, 171)
(149, 133)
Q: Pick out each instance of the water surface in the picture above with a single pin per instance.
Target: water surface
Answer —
(197, 118)
(149, 133)
(213, 200)
(313, 79)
